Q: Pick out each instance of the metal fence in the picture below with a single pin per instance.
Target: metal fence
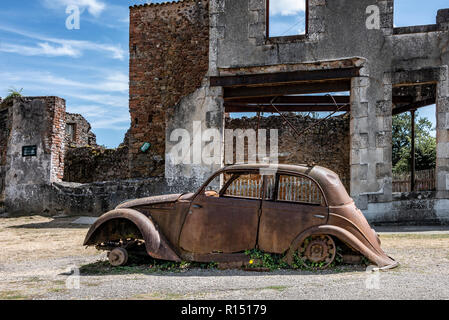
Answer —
(246, 187)
(425, 181)
(294, 189)
(298, 189)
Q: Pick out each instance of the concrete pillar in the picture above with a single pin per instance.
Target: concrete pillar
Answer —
(195, 132)
(371, 126)
(442, 109)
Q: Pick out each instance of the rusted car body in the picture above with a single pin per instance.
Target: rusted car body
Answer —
(284, 209)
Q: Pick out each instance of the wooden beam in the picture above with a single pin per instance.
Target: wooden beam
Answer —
(236, 108)
(283, 77)
(305, 88)
(412, 106)
(294, 100)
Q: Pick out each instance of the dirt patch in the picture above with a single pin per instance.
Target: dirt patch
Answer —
(43, 258)
(36, 237)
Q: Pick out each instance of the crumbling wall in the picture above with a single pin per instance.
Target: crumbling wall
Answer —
(94, 163)
(169, 46)
(38, 124)
(5, 129)
(83, 136)
(327, 143)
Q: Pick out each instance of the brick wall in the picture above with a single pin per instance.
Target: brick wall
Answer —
(5, 127)
(327, 144)
(83, 136)
(169, 47)
(56, 136)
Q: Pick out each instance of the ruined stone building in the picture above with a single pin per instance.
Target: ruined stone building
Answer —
(199, 61)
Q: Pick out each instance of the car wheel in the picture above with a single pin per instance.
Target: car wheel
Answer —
(317, 252)
(118, 257)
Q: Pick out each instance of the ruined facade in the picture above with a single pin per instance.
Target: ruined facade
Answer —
(78, 132)
(193, 62)
(169, 46)
(33, 145)
(349, 46)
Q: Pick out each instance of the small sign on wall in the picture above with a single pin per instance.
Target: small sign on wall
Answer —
(29, 151)
(145, 147)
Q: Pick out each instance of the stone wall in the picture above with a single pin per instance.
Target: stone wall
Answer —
(327, 143)
(93, 163)
(38, 124)
(5, 128)
(169, 45)
(83, 136)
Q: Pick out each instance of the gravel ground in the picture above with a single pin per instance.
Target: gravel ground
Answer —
(38, 253)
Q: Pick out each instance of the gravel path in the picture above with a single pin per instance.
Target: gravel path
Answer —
(423, 274)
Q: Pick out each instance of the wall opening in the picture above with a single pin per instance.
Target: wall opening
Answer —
(287, 18)
(71, 132)
(417, 14)
(414, 139)
(311, 129)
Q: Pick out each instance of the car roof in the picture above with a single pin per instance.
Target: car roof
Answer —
(329, 181)
(280, 167)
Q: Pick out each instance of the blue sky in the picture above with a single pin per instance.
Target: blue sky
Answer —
(89, 67)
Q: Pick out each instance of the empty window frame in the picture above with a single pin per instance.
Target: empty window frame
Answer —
(299, 189)
(416, 13)
(287, 18)
(71, 132)
(249, 186)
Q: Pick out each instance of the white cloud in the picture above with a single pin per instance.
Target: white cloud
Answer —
(105, 99)
(92, 111)
(287, 7)
(116, 123)
(41, 49)
(112, 82)
(94, 7)
(47, 46)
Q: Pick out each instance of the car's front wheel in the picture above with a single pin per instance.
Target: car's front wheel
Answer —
(317, 252)
(118, 257)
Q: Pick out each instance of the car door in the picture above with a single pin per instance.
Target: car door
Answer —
(294, 204)
(225, 222)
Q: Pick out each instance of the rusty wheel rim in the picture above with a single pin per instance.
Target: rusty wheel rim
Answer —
(118, 257)
(317, 252)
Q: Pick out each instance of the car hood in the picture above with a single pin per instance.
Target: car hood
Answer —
(170, 198)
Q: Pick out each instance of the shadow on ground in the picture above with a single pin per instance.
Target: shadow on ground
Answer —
(149, 266)
(65, 223)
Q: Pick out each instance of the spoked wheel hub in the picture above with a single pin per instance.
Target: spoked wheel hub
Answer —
(317, 252)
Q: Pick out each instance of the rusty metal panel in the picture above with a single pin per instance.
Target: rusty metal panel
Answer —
(226, 225)
(170, 220)
(281, 222)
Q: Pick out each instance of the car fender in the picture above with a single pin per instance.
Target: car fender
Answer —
(155, 243)
(382, 260)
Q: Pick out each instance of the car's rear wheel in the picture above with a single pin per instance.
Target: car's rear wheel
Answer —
(317, 252)
(118, 257)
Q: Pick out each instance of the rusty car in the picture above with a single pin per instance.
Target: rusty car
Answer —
(298, 211)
